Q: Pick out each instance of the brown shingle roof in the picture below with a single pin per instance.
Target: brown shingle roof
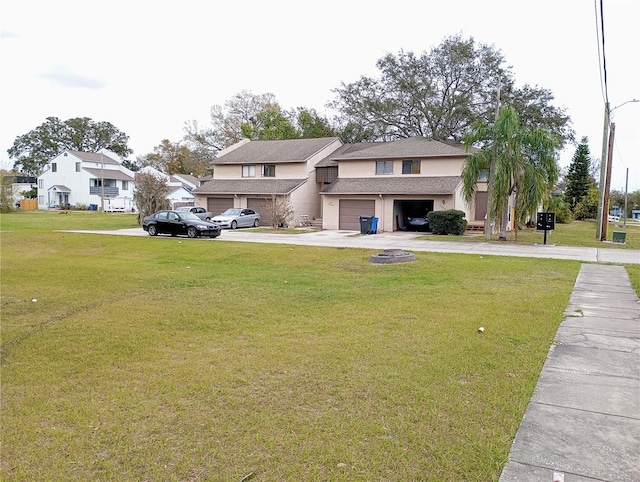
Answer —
(394, 185)
(249, 186)
(288, 150)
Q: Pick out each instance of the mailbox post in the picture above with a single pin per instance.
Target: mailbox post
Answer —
(545, 222)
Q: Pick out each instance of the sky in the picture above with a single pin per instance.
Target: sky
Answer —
(148, 67)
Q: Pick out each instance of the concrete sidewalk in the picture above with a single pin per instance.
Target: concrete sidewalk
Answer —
(583, 420)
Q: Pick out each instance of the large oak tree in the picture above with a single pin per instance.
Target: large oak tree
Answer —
(439, 94)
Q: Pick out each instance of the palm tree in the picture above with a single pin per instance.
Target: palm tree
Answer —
(524, 164)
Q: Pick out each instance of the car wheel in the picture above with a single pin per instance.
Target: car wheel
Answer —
(192, 232)
(256, 223)
(152, 230)
(234, 224)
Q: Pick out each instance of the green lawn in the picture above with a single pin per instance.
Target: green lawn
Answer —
(577, 233)
(139, 358)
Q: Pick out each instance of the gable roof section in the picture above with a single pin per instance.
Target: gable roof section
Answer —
(394, 185)
(408, 148)
(108, 173)
(59, 188)
(92, 156)
(185, 179)
(275, 152)
(250, 186)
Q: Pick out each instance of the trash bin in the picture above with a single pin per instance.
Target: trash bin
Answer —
(365, 224)
(619, 237)
(374, 225)
(93, 207)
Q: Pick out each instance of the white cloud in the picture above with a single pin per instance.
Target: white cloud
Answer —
(60, 75)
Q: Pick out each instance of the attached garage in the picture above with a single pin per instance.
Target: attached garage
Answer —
(410, 208)
(218, 205)
(351, 210)
(258, 205)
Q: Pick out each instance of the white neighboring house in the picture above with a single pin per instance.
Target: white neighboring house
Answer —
(97, 180)
(180, 186)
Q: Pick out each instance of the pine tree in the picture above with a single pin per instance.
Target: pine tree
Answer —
(578, 179)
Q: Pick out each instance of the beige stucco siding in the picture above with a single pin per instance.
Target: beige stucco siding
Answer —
(428, 167)
(298, 170)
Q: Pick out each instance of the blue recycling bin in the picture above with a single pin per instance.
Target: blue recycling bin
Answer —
(374, 226)
(93, 207)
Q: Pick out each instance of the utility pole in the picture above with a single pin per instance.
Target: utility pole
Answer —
(626, 190)
(603, 169)
(607, 184)
(490, 181)
(607, 152)
(102, 179)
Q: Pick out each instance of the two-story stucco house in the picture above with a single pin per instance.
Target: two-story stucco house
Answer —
(75, 178)
(250, 173)
(392, 181)
(337, 183)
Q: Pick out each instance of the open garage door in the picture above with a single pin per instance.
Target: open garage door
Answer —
(218, 205)
(410, 208)
(351, 210)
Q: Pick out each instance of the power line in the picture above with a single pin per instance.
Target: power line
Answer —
(600, 49)
(604, 54)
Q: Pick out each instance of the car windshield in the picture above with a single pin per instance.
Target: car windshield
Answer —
(232, 212)
(183, 209)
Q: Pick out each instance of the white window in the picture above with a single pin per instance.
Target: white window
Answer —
(248, 171)
(77, 167)
(384, 167)
(54, 167)
(40, 183)
(125, 185)
(484, 175)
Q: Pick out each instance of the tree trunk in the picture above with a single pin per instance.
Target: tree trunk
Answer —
(504, 219)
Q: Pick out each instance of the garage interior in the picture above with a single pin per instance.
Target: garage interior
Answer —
(410, 208)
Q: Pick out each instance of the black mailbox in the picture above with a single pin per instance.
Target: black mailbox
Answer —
(546, 221)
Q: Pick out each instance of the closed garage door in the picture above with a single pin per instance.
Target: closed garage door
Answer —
(352, 209)
(258, 205)
(218, 205)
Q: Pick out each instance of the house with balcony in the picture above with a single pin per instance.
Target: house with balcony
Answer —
(393, 181)
(251, 174)
(74, 178)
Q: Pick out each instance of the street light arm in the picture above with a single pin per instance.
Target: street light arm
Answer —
(627, 102)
